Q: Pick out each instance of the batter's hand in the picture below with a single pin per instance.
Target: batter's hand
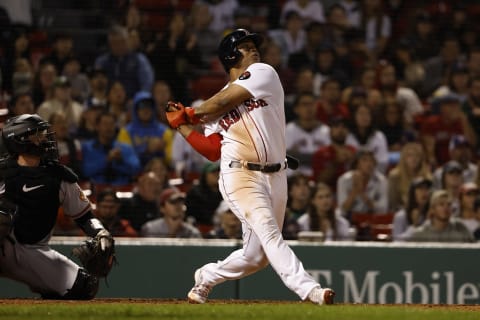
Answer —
(192, 118)
(174, 114)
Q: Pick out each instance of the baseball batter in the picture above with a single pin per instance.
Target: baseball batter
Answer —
(35, 185)
(245, 127)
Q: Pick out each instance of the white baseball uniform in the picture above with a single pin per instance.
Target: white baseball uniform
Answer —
(255, 132)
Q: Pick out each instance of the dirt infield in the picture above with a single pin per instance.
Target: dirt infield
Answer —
(13, 301)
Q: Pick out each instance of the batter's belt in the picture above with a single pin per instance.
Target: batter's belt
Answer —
(267, 167)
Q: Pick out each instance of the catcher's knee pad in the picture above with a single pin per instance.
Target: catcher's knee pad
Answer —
(85, 286)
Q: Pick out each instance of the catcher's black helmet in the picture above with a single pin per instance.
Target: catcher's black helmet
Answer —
(16, 133)
(228, 52)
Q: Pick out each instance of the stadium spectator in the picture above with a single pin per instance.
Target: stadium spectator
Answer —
(476, 208)
(148, 137)
(331, 161)
(315, 36)
(78, 79)
(471, 108)
(117, 103)
(62, 50)
(186, 162)
(421, 37)
(307, 10)
(161, 93)
(203, 198)
(170, 224)
(439, 66)
(468, 193)
(329, 104)
(62, 101)
(459, 150)
(121, 64)
(473, 61)
(19, 47)
(87, 128)
(176, 57)
(222, 12)
(299, 195)
(158, 166)
(43, 83)
(23, 74)
(414, 213)
(69, 148)
(142, 206)
(106, 210)
(305, 134)
(323, 216)
(457, 82)
(436, 129)
(364, 85)
(363, 189)
(451, 182)
(21, 103)
(391, 122)
(364, 134)
(440, 227)
(108, 161)
(413, 163)
(390, 88)
(228, 226)
(376, 25)
(327, 66)
(98, 88)
(291, 38)
(201, 20)
(303, 83)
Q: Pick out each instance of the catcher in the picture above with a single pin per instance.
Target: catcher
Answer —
(33, 185)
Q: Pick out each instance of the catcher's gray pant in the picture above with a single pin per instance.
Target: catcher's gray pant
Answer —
(259, 201)
(43, 269)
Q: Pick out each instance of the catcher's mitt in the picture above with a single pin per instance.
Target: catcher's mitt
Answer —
(97, 254)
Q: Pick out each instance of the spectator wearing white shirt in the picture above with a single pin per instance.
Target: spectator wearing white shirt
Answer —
(309, 10)
(323, 216)
(306, 134)
(363, 134)
(363, 189)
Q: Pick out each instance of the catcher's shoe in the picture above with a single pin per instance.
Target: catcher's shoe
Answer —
(199, 293)
(321, 295)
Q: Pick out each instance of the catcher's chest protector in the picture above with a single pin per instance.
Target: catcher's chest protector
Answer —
(35, 191)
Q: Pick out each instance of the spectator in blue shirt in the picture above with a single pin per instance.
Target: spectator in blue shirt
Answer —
(107, 161)
(131, 68)
(145, 133)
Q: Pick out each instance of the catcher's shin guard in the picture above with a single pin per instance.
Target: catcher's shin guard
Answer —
(85, 286)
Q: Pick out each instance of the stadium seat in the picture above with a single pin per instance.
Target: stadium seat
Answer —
(372, 227)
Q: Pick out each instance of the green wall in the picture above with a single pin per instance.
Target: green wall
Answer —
(358, 272)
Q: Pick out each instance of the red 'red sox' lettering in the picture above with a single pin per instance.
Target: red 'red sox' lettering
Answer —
(233, 116)
(252, 104)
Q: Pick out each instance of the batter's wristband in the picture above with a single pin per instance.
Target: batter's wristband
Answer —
(192, 118)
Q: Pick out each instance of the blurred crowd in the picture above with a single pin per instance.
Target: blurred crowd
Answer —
(382, 103)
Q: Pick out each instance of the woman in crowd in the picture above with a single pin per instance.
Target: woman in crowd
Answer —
(322, 216)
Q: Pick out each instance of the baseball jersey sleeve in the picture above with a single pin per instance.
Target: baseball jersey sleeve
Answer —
(257, 79)
(74, 201)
